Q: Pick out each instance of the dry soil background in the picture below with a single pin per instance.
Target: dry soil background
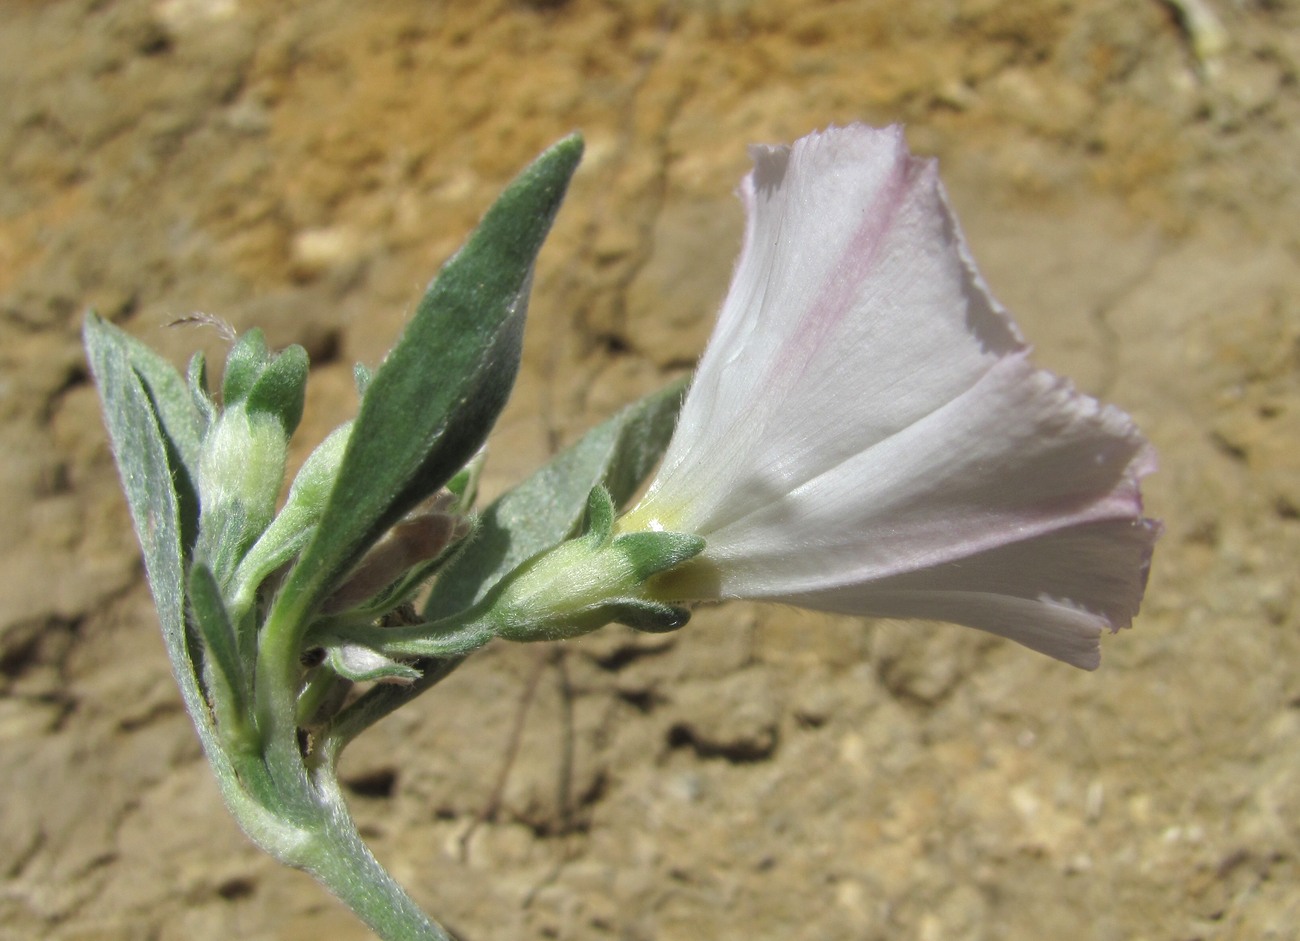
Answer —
(1126, 171)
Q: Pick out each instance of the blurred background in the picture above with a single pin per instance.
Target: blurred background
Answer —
(1126, 173)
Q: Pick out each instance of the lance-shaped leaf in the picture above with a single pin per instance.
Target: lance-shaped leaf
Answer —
(220, 645)
(175, 412)
(145, 455)
(432, 402)
(547, 508)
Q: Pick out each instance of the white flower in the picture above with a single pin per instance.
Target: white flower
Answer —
(865, 433)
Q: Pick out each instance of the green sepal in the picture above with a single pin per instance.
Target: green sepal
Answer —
(437, 394)
(247, 358)
(281, 388)
(649, 617)
(652, 553)
(422, 641)
(584, 583)
(548, 507)
(276, 546)
(599, 526)
(220, 644)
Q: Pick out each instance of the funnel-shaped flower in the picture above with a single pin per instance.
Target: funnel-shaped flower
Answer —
(865, 433)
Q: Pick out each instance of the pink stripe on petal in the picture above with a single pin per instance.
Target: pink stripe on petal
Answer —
(842, 289)
(866, 433)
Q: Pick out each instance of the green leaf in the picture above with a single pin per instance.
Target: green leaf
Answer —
(144, 460)
(179, 418)
(547, 508)
(220, 645)
(541, 512)
(431, 403)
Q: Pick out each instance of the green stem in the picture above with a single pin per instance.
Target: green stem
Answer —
(456, 636)
(301, 819)
(276, 683)
(377, 702)
(339, 859)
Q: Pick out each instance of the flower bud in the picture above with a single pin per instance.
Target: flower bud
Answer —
(588, 582)
(259, 382)
(296, 521)
(242, 465)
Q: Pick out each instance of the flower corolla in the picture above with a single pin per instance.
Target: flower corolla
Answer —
(865, 433)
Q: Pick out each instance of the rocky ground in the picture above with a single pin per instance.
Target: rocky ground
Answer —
(1126, 173)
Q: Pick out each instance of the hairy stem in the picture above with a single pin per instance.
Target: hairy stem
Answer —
(301, 819)
(339, 859)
